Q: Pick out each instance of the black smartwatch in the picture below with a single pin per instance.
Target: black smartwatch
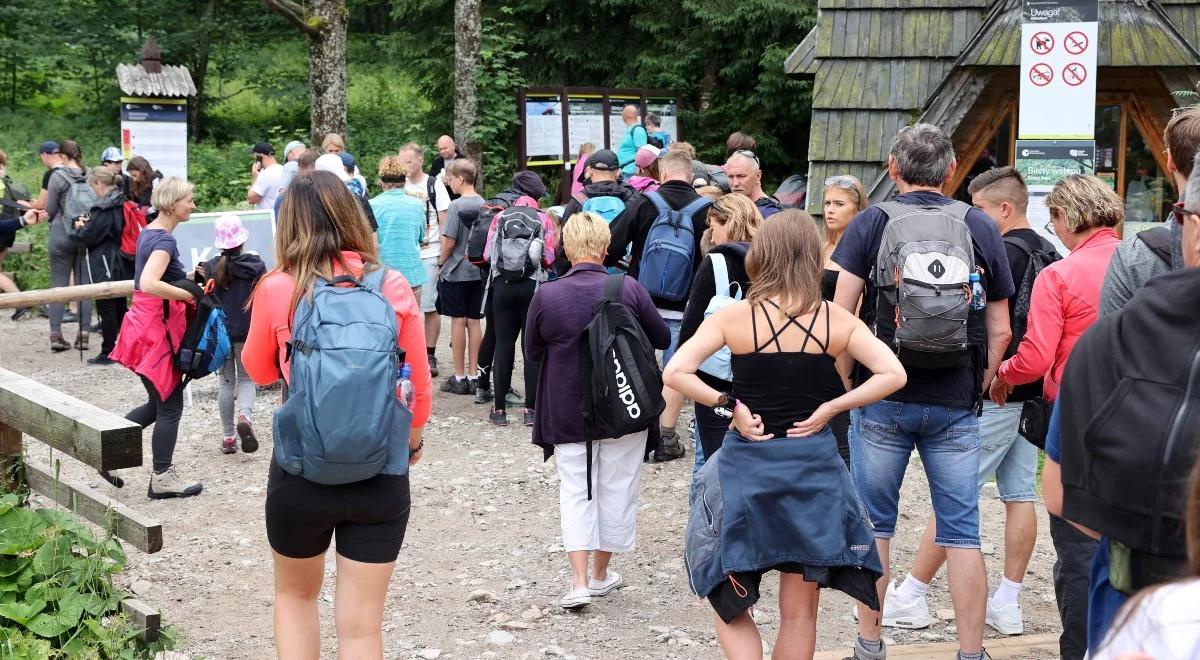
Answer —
(724, 406)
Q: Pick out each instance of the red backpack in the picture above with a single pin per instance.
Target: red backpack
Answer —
(135, 222)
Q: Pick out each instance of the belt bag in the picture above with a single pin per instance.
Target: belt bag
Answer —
(1035, 421)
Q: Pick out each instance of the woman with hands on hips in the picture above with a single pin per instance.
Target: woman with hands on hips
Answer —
(783, 340)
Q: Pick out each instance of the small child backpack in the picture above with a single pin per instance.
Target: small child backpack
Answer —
(205, 344)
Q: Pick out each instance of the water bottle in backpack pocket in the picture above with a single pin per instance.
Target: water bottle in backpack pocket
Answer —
(668, 258)
(342, 416)
(519, 243)
(718, 364)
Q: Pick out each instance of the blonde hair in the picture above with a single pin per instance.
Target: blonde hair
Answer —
(392, 173)
(1085, 202)
(738, 214)
(332, 139)
(784, 263)
(103, 176)
(170, 192)
(462, 167)
(586, 236)
(711, 192)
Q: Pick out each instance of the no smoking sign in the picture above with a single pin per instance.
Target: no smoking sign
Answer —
(1076, 43)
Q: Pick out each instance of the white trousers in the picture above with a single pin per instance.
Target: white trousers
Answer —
(607, 522)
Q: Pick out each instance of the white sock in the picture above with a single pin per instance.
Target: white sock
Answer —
(459, 377)
(911, 589)
(1006, 592)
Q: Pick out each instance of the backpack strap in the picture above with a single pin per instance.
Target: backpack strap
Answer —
(1158, 239)
(720, 273)
(697, 205)
(612, 287)
(1019, 244)
(580, 197)
(660, 204)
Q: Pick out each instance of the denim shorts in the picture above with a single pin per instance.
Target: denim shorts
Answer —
(673, 326)
(1006, 454)
(882, 438)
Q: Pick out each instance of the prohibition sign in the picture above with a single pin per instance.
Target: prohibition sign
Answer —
(1042, 43)
(1041, 74)
(1076, 43)
(1074, 74)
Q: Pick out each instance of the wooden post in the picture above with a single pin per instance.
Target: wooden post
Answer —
(65, 294)
(10, 456)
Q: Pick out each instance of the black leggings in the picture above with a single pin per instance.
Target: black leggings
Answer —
(165, 416)
(510, 306)
(112, 311)
(487, 348)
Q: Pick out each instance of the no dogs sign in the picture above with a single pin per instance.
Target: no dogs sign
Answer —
(1058, 66)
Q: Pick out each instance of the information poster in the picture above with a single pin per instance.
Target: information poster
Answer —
(616, 125)
(157, 131)
(543, 129)
(585, 123)
(668, 111)
(1058, 69)
(196, 236)
(1044, 163)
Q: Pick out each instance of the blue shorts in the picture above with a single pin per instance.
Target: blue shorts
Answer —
(882, 438)
(673, 326)
(1006, 454)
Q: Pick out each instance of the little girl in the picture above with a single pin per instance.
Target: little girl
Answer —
(235, 273)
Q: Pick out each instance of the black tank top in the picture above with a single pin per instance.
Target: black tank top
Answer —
(829, 280)
(785, 387)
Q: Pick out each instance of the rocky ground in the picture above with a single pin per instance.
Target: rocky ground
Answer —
(482, 566)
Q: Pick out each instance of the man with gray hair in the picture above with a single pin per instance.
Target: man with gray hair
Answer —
(744, 173)
(950, 345)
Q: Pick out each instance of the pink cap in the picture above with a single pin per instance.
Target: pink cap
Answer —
(646, 155)
(230, 232)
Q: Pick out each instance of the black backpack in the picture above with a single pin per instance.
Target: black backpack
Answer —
(205, 344)
(1158, 239)
(1040, 257)
(477, 239)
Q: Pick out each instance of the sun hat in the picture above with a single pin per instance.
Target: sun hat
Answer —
(646, 155)
(294, 144)
(230, 232)
(332, 163)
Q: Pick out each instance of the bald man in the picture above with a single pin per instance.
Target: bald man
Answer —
(745, 176)
(635, 136)
(447, 151)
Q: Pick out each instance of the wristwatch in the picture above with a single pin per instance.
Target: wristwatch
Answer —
(724, 406)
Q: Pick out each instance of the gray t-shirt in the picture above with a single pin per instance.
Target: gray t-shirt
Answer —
(1134, 264)
(460, 218)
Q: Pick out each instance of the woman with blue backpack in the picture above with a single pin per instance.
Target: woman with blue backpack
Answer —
(347, 336)
(151, 331)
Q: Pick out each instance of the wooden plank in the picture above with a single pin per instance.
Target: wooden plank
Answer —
(145, 618)
(64, 294)
(10, 457)
(101, 439)
(136, 529)
(1017, 646)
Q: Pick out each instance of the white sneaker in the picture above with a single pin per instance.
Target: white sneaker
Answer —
(607, 586)
(1007, 619)
(912, 616)
(576, 598)
(170, 484)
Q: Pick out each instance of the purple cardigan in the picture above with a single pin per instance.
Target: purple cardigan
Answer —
(557, 317)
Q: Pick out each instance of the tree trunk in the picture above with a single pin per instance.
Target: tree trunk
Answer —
(468, 29)
(200, 68)
(327, 69)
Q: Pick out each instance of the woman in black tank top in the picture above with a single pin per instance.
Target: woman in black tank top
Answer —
(780, 467)
(845, 198)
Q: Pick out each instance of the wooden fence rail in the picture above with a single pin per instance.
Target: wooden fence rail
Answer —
(65, 294)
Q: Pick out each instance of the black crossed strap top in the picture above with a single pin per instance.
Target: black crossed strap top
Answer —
(785, 387)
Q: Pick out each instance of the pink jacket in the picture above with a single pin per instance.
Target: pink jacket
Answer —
(142, 345)
(1065, 299)
(643, 184)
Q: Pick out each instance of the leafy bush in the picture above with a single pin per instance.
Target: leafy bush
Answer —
(57, 597)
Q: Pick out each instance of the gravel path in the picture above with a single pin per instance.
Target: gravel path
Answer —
(482, 566)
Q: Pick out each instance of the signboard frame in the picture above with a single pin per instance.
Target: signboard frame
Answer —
(195, 237)
(167, 115)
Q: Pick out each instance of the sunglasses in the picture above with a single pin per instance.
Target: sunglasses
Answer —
(840, 181)
(1181, 214)
(746, 153)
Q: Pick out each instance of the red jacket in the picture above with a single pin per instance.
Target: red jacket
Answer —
(1065, 299)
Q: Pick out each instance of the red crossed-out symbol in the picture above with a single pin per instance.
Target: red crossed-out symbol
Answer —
(1041, 74)
(1076, 43)
(1042, 43)
(1074, 74)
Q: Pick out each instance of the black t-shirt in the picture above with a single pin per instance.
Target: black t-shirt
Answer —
(1018, 261)
(856, 252)
(46, 178)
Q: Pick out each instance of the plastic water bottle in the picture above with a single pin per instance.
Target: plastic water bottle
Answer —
(978, 297)
(404, 386)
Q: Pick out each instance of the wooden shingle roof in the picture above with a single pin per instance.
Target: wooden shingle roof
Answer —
(171, 82)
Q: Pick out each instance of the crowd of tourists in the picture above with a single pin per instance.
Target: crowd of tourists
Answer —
(818, 354)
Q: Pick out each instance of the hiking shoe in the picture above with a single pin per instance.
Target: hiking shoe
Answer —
(1007, 619)
(483, 395)
(433, 370)
(669, 449)
(606, 586)
(228, 445)
(958, 655)
(246, 435)
(527, 417)
(514, 398)
(101, 360)
(576, 598)
(58, 344)
(20, 313)
(912, 615)
(81, 342)
(498, 418)
(169, 484)
(70, 317)
(95, 327)
(861, 653)
(456, 385)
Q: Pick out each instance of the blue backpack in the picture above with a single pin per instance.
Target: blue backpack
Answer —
(205, 344)
(610, 208)
(668, 259)
(727, 293)
(342, 416)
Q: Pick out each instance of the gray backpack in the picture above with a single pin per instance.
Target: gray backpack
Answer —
(78, 199)
(921, 279)
(519, 243)
(342, 416)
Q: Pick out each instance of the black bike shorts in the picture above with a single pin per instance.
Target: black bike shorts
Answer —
(368, 517)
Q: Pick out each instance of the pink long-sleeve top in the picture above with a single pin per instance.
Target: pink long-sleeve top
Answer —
(1063, 305)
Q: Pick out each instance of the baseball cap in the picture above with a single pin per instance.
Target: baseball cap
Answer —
(604, 159)
(48, 147)
(348, 161)
(112, 155)
(263, 148)
(292, 145)
(646, 155)
(529, 183)
(332, 163)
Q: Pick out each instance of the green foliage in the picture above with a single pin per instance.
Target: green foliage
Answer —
(57, 597)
